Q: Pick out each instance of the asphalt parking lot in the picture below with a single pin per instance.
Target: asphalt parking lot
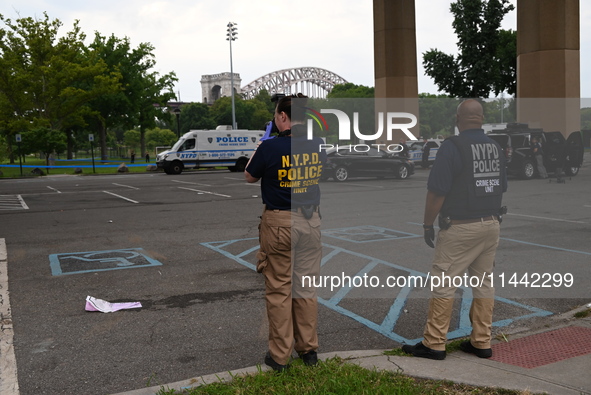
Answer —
(184, 247)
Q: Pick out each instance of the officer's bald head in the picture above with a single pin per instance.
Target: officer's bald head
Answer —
(470, 115)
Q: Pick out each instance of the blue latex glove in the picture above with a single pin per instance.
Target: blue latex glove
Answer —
(267, 134)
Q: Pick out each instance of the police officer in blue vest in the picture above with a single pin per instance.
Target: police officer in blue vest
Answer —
(465, 189)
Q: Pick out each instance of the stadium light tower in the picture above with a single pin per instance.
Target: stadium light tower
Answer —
(232, 35)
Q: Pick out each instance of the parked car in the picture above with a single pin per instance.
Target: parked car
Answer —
(346, 162)
(416, 150)
(558, 152)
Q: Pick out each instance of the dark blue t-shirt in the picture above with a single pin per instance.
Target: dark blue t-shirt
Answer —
(290, 170)
(448, 163)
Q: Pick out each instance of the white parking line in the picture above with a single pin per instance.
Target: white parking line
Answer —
(119, 196)
(8, 371)
(191, 183)
(126, 186)
(12, 202)
(53, 189)
(23, 204)
(364, 185)
(549, 219)
(210, 193)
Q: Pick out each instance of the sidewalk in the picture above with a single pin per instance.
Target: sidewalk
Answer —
(552, 356)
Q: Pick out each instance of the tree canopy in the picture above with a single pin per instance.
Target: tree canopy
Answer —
(351, 91)
(487, 55)
(54, 81)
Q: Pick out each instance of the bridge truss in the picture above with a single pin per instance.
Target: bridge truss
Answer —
(311, 81)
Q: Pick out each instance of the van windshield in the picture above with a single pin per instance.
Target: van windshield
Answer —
(184, 145)
(176, 145)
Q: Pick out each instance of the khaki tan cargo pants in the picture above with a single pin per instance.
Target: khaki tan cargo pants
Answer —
(287, 237)
(472, 248)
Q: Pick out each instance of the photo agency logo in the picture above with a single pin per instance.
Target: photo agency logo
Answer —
(362, 127)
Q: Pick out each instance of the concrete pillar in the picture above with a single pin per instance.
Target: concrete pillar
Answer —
(548, 64)
(395, 48)
(395, 57)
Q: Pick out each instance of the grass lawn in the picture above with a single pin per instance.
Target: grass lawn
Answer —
(68, 167)
(334, 376)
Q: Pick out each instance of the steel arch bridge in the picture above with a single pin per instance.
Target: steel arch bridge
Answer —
(311, 81)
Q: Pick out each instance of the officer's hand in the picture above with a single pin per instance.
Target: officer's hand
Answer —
(429, 235)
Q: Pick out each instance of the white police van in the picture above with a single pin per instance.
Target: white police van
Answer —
(210, 148)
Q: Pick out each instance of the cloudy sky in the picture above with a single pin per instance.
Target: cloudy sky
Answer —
(190, 36)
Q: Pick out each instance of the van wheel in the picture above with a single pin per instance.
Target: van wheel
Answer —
(341, 174)
(175, 167)
(240, 165)
(527, 170)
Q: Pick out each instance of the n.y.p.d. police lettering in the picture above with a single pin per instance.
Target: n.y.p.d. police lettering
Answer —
(486, 167)
(300, 171)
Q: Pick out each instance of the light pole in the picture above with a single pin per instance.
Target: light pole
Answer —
(177, 112)
(232, 35)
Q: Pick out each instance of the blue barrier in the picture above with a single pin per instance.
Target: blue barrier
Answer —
(75, 166)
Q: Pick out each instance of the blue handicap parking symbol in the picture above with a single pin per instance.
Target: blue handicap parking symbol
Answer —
(366, 234)
(96, 261)
(391, 303)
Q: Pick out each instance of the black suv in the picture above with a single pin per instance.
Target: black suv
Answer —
(558, 152)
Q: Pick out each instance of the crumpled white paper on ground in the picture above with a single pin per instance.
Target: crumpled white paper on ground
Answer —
(94, 304)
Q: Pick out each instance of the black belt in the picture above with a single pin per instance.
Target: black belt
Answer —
(297, 209)
(472, 220)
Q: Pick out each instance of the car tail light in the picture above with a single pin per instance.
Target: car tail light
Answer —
(508, 152)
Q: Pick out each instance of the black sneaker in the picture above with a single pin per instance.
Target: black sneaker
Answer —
(269, 361)
(422, 351)
(479, 352)
(310, 358)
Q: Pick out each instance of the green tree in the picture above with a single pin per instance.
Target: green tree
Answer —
(196, 116)
(264, 97)
(350, 90)
(487, 57)
(507, 62)
(44, 140)
(253, 114)
(156, 93)
(45, 79)
(144, 92)
(132, 139)
(437, 115)
(3, 150)
(221, 111)
(500, 110)
(160, 138)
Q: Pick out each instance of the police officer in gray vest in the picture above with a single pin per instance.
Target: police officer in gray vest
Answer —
(465, 189)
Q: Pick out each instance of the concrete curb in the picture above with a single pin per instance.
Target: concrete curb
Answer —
(8, 372)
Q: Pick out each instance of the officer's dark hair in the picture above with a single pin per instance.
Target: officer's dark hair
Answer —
(284, 105)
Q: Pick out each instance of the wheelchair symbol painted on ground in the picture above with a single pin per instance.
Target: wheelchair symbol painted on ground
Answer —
(94, 261)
